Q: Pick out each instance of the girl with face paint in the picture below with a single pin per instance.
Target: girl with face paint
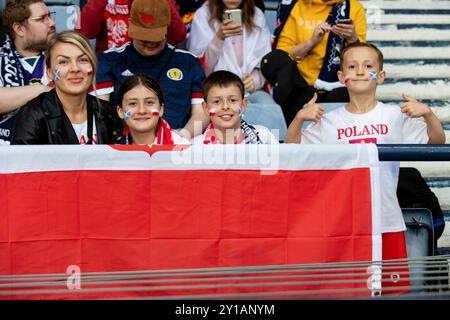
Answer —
(142, 108)
(67, 114)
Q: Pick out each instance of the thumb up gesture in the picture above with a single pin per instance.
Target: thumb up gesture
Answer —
(414, 108)
(311, 111)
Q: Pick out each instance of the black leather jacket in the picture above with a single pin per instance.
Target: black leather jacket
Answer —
(43, 121)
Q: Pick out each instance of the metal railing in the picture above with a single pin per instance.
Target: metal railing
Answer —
(295, 281)
(413, 152)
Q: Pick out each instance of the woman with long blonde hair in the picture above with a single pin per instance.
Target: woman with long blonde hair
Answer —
(67, 114)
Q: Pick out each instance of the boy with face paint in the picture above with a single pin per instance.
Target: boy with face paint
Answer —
(366, 120)
(361, 71)
(225, 104)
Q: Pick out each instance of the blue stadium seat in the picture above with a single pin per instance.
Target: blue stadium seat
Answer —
(66, 15)
(420, 242)
(419, 232)
(271, 17)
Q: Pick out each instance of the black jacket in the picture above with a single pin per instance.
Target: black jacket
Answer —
(43, 121)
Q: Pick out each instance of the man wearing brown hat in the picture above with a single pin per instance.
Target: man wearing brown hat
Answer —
(178, 72)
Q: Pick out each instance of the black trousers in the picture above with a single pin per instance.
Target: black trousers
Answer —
(290, 89)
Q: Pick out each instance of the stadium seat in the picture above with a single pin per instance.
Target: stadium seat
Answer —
(420, 242)
(419, 232)
(66, 15)
(271, 17)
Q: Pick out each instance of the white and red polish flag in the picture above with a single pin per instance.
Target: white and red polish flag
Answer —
(121, 208)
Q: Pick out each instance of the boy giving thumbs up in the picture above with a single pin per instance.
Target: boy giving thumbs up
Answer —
(366, 120)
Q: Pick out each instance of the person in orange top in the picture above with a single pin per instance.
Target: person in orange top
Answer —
(313, 36)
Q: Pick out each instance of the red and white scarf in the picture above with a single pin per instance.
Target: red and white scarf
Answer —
(163, 134)
(116, 15)
(249, 135)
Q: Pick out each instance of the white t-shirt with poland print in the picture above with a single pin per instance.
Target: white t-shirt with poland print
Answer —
(81, 132)
(384, 124)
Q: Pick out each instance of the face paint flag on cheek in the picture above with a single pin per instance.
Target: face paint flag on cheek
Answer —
(240, 112)
(155, 112)
(212, 112)
(89, 72)
(127, 114)
(57, 74)
(347, 80)
(373, 75)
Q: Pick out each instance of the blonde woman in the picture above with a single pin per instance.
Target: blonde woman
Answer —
(67, 114)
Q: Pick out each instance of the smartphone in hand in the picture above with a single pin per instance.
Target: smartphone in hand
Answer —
(235, 15)
(344, 21)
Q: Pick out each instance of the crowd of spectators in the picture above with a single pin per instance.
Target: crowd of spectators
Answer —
(169, 72)
(179, 43)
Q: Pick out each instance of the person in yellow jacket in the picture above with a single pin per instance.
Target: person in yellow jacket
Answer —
(312, 36)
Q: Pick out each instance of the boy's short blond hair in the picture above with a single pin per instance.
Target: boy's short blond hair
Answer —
(361, 45)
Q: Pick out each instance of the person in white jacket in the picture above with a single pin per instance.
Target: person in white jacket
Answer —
(225, 44)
